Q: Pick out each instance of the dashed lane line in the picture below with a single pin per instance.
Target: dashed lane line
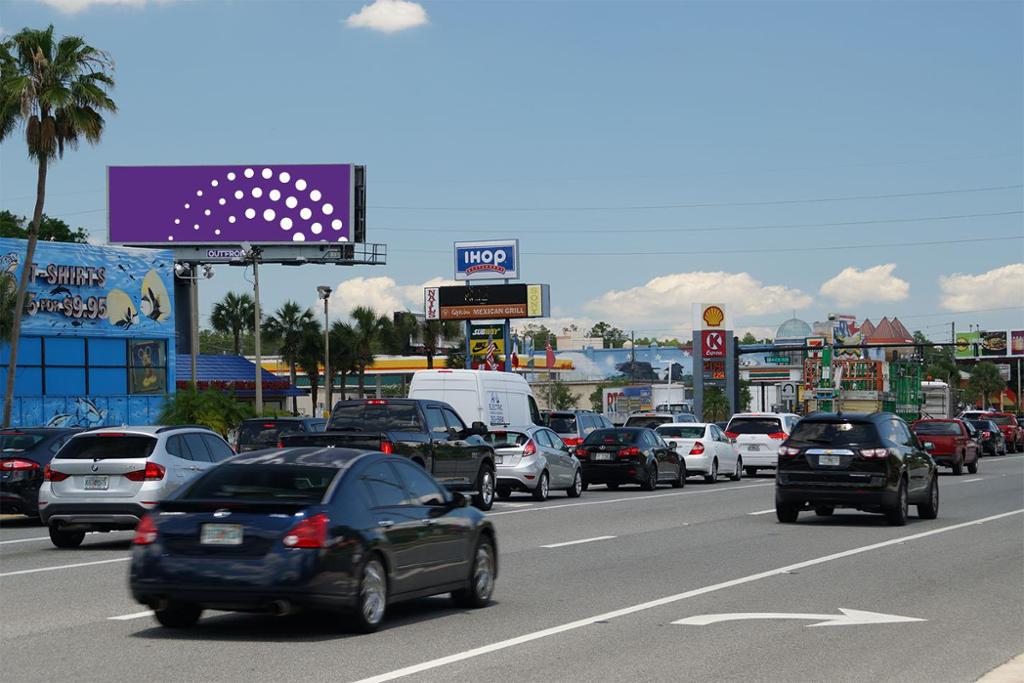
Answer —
(63, 566)
(582, 540)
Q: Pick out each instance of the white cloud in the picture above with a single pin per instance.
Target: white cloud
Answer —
(382, 294)
(993, 289)
(389, 16)
(666, 301)
(853, 286)
(76, 6)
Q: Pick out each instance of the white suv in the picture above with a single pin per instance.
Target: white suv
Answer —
(106, 479)
(758, 436)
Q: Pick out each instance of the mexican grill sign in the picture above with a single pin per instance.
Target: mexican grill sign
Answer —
(486, 302)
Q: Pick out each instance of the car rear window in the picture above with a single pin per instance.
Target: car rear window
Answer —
(983, 425)
(292, 483)
(398, 417)
(108, 447)
(612, 436)
(681, 432)
(937, 428)
(266, 432)
(755, 425)
(506, 439)
(562, 424)
(17, 442)
(651, 421)
(838, 433)
(1001, 419)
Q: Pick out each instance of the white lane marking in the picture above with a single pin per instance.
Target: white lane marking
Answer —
(137, 615)
(573, 625)
(512, 505)
(47, 538)
(847, 617)
(535, 508)
(63, 566)
(761, 512)
(967, 481)
(582, 540)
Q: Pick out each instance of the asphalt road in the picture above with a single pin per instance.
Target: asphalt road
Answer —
(598, 610)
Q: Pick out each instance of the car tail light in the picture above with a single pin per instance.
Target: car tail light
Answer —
(309, 533)
(572, 441)
(531, 448)
(280, 443)
(629, 452)
(781, 436)
(581, 453)
(18, 464)
(986, 435)
(50, 474)
(376, 402)
(788, 451)
(145, 532)
(152, 472)
(874, 452)
(732, 435)
(697, 449)
(386, 446)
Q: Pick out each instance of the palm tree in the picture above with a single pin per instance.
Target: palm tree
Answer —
(343, 353)
(233, 314)
(369, 329)
(309, 354)
(431, 330)
(57, 90)
(287, 326)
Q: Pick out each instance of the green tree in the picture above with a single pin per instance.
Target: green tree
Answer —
(540, 335)
(398, 332)
(8, 294)
(745, 396)
(456, 356)
(613, 337)
(597, 395)
(561, 396)
(369, 328)
(309, 354)
(939, 361)
(234, 314)
(214, 409)
(57, 90)
(748, 338)
(716, 405)
(343, 354)
(984, 382)
(287, 326)
(50, 229)
(432, 331)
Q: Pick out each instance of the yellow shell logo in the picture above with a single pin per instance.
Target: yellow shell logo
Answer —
(713, 316)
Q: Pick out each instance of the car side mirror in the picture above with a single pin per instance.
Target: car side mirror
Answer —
(478, 428)
(673, 444)
(459, 500)
(928, 445)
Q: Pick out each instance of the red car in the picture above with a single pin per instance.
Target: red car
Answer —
(951, 444)
(1011, 429)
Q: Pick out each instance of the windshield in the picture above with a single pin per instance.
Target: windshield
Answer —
(647, 420)
(681, 432)
(375, 417)
(938, 428)
(265, 432)
(506, 439)
(984, 425)
(108, 447)
(755, 425)
(16, 442)
(612, 436)
(296, 483)
(562, 424)
(834, 433)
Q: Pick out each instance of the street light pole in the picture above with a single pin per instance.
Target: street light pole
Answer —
(325, 293)
(253, 252)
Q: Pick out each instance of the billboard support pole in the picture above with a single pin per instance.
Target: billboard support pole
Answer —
(508, 345)
(194, 322)
(256, 331)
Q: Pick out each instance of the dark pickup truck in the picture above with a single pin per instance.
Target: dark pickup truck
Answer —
(429, 433)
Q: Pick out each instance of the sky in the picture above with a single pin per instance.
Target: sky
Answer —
(780, 157)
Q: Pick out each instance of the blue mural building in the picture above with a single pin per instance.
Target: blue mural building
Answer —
(97, 336)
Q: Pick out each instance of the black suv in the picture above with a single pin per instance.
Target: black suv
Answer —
(573, 426)
(265, 432)
(870, 462)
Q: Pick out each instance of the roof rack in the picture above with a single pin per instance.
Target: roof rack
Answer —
(169, 428)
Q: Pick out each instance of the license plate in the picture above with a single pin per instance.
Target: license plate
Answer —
(97, 483)
(753, 447)
(221, 534)
(497, 460)
(602, 456)
(831, 460)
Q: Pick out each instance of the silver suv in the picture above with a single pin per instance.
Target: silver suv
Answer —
(107, 479)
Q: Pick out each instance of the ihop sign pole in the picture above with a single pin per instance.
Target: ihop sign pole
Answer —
(488, 260)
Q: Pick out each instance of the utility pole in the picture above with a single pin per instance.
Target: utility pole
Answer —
(255, 253)
(632, 352)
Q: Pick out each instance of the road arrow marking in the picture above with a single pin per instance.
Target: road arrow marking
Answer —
(849, 617)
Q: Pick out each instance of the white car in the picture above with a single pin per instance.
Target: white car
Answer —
(758, 436)
(704, 448)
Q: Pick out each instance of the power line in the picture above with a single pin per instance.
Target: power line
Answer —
(760, 250)
(784, 226)
(636, 207)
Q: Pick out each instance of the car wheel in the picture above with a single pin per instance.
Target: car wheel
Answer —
(66, 539)
(738, 472)
(484, 498)
(930, 510)
(613, 486)
(958, 467)
(786, 514)
(751, 471)
(480, 586)
(178, 615)
(576, 489)
(543, 487)
(373, 596)
(503, 492)
(897, 515)
(824, 510)
(973, 467)
(712, 476)
(680, 481)
(650, 482)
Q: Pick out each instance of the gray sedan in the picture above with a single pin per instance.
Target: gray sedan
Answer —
(536, 460)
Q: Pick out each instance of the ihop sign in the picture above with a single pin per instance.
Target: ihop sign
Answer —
(490, 260)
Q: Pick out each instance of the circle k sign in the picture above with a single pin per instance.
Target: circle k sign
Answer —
(712, 343)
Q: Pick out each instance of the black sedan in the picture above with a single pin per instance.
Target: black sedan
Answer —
(990, 439)
(24, 453)
(870, 462)
(311, 528)
(629, 455)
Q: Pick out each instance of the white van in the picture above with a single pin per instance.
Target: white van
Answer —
(498, 399)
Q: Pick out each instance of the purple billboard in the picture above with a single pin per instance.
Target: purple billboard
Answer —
(257, 203)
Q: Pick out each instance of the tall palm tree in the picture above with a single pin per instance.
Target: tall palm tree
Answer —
(287, 326)
(369, 329)
(233, 314)
(58, 91)
(343, 353)
(431, 331)
(309, 354)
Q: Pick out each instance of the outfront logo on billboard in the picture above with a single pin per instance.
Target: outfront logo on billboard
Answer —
(487, 260)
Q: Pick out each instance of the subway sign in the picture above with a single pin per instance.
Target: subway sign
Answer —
(489, 260)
